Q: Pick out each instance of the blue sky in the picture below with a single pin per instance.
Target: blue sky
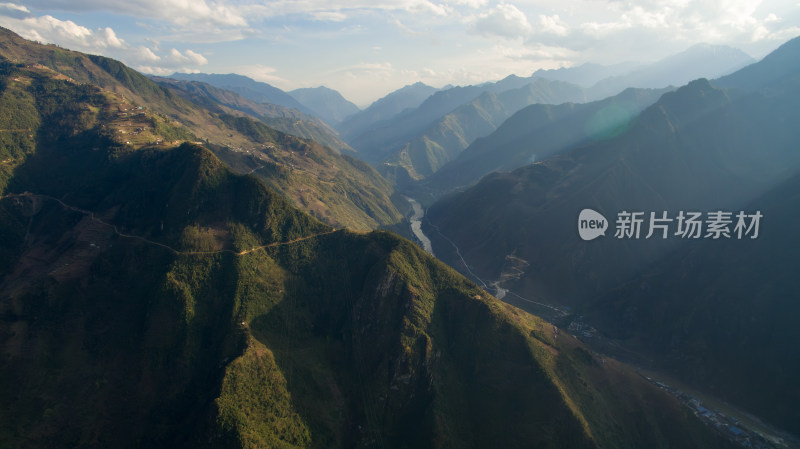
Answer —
(366, 49)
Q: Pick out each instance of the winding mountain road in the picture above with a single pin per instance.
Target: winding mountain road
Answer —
(91, 215)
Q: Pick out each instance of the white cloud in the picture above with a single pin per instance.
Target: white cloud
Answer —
(147, 61)
(536, 52)
(181, 12)
(472, 40)
(188, 57)
(145, 55)
(312, 7)
(66, 33)
(373, 66)
(782, 35)
(13, 9)
(727, 21)
(424, 6)
(261, 72)
(553, 25)
(406, 30)
(236, 14)
(600, 30)
(159, 71)
(196, 58)
(469, 3)
(504, 20)
(108, 38)
(329, 16)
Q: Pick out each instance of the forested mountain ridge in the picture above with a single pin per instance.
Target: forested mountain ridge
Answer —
(149, 296)
(284, 119)
(144, 113)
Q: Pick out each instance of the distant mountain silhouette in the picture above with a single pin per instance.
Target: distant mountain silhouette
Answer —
(407, 97)
(711, 312)
(326, 103)
(539, 131)
(588, 74)
(282, 118)
(447, 137)
(698, 61)
(247, 87)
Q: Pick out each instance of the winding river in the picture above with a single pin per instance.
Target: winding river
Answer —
(416, 225)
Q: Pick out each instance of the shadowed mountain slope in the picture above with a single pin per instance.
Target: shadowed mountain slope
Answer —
(150, 297)
(700, 148)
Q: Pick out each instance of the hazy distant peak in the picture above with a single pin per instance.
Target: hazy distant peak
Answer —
(326, 103)
(257, 91)
(586, 74)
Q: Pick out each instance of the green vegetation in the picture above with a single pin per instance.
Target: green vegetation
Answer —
(735, 311)
(157, 299)
(281, 118)
(137, 112)
(334, 188)
(19, 121)
(171, 132)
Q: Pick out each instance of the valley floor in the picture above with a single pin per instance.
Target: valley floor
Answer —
(736, 425)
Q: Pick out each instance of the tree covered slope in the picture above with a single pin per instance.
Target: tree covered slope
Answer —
(151, 297)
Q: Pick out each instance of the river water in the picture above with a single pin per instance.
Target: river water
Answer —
(416, 225)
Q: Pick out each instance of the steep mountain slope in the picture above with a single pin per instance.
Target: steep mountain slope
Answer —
(115, 77)
(778, 67)
(407, 97)
(448, 136)
(151, 297)
(416, 143)
(738, 304)
(326, 103)
(697, 149)
(287, 120)
(145, 113)
(538, 132)
(337, 189)
(384, 138)
(257, 91)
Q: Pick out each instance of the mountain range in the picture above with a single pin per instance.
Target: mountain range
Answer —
(405, 98)
(410, 146)
(152, 297)
(384, 138)
(146, 113)
(327, 104)
(700, 148)
(448, 136)
(698, 61)
(587, 74)
(537, 132)
(246, 87)
(281, 118)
